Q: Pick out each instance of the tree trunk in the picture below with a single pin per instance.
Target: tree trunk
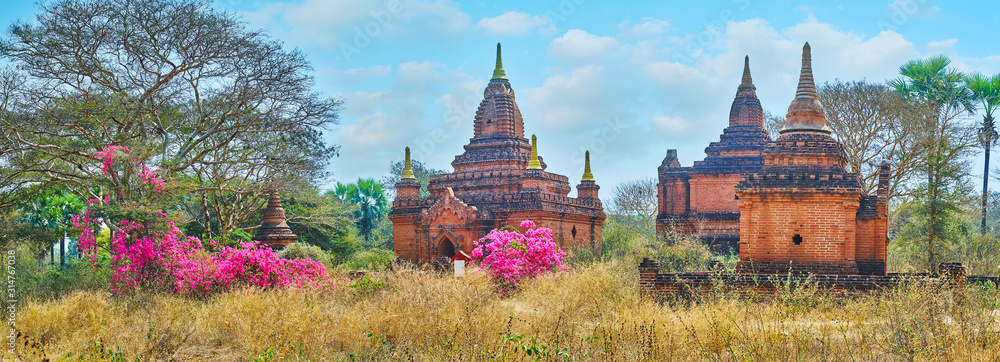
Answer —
(986, 174)
(62, 251)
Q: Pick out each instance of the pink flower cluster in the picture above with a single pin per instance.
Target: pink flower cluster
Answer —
(108, 157)
(510, 256)
(156, 254)
(88, 239)
(252, 264)
(149, 178)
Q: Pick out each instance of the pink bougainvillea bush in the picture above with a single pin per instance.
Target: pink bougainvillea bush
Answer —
(148, 252)
(509, 256)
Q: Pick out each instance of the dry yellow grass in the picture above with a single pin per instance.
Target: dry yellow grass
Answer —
(593, 312)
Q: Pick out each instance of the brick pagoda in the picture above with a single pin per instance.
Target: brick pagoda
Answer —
(274, 231)
(700, 200)
(803, 211)
(803, 217)
(499, 180)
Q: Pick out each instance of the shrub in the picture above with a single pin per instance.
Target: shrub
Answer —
(147, 250)
(510, 256)
(302, 250)
(372, 259)
(686, 254)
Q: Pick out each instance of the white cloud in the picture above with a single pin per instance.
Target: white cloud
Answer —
(332, 23)
(625, 97)
(580, 46)
(513, 23)
(647, 28)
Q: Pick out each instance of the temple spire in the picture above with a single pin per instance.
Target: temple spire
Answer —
(806, 113)
(407, 168)
(746, 72)
(498, 72)
(534, 164)
(807, 86)
(587, 176)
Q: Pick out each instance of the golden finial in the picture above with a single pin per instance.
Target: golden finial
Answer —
(587, 176)
(407, 168)
(498, 71)
(534, 164)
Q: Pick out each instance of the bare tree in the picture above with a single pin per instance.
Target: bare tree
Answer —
(185, 86)
(875, 123)
(633, 203)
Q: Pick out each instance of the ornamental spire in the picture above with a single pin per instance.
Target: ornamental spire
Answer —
(746, 72)
(587, 176)
(407, 168)
(498, 71)
(806, 113)
(534, 164)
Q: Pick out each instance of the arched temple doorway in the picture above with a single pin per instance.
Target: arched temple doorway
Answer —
(447, 248)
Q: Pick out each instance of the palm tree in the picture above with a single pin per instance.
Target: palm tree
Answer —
(52, 212)
(371, 201)
(987, 91)
(930, 83)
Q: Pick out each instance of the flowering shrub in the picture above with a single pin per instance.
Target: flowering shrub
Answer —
(149, 251)
(509, 255)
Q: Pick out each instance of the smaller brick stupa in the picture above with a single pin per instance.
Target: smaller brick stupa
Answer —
(804, 211)
(274, 232)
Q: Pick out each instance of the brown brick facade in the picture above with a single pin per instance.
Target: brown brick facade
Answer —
(803, 211)
(497, 181)
(701, 200)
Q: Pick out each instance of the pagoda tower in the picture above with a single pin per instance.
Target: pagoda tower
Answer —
(701, 200)
(803, 212)
(499, 180)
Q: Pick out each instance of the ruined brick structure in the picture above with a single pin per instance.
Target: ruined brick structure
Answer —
(803, 211)
(803, 217)
(273, 231)
(499, 180)
(701, 200)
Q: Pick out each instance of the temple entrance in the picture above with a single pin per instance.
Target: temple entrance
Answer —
(447, 248)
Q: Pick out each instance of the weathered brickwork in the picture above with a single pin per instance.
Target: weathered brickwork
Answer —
(803, 212)
(498, 181)
(274, 231)
(701, 200)
(802, 216)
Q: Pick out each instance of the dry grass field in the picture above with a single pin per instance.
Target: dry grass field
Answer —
(591, 313)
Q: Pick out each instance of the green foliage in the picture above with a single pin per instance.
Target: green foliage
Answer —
(366, 286)
(372, 259)
(323, 220)
(420, 171)
(945, 142)
(372, 205)
(684, 254)
(34, 280)
(302, 250)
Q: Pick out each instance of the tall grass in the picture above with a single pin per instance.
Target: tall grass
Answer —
(592, 312)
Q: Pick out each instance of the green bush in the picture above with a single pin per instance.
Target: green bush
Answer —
(372, 259)
(302, 250)
(34, 280)
(686, 254)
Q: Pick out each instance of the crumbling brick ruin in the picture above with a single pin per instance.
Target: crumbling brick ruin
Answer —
(801, 213)
(700, 200)
(499, 180)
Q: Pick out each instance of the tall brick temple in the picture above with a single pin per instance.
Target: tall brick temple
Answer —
(701, 200)
(499, 180)
(803, 211)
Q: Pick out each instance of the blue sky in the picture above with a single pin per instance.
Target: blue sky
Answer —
(625, 80)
